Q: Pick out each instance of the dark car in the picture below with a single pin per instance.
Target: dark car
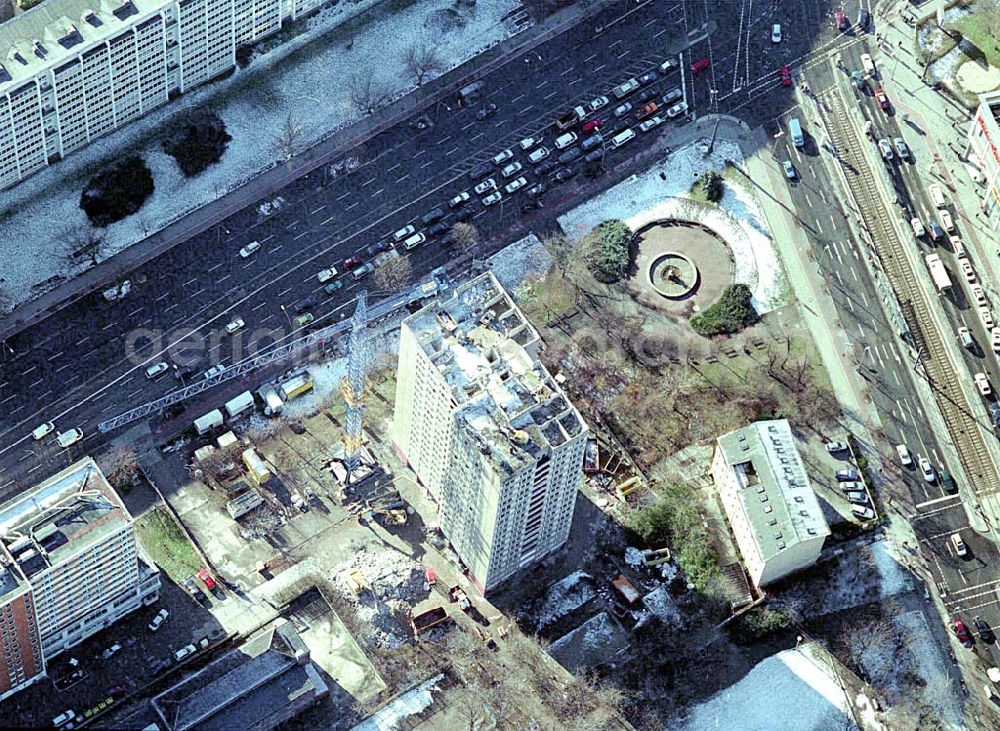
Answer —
(962, 632)
(306, 303)
(531, 206)
(432, 216)
(438, 228)
(647, 95)
(332, 287)
(569, 156)
(481, 170)
(863, 19)
(184, 372)
(983, 629)
(546, 167)
(595, 155)
(564, 175)
(194, 590)
(648, 78)
(994, 408)
(486, 111)
(352, 261)
(464, 214)
(536, 190)
(377, 248)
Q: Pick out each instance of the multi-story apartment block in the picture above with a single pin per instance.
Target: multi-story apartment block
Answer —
(73, 70)
(71, 566)
(775, 516)
(984, 152)
(487, 430)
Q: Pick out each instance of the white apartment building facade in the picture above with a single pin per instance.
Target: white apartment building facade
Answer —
(984, 152)
(772, 509)
(487, 430)
(71, 545)
(74, 70)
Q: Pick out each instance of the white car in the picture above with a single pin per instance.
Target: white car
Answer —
(926, 470)
(995, 339)
(502, 157)
(516, 184)
(918, 227)
(959, 545)
(513, 169)
(156, 370)
(110, 652)
(183, 652)
(979, 294)
(249, 249)
(538, 155)
(235, 325)
(677, 109)
(414, 241)
(326, 275)
(885, 147)
(494, 197)
(564, 141)
(43, 430)
(937, 195)
(904, 455)
(983, 384)
(528, 142)
(598, 103)
(488, 184)
(867, 64)
(987, 317)
(966, 266)
(947, 223)
(789, 169)
(69, 438)
(862, 511)
(835, 447)
(622, 109)
(669, 65)
(159, 619)
(776, 33)
(403, 233)
(651, 123)
(214, 371)
(460, 200)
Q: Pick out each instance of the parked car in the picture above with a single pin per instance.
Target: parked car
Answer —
(536, 190)
(488, 184)
(851, 485)
(194, 590)
(183, 652)
(235, 325)
(206, 579)
(570, 155)
(159, 619)
(438, 228)
(776, 33)
(786, 76)
(677, 110)
(901, 148)
(836, 447)
(843, 475)
(885, 148)
(538, 155)
(528, 142)
(669, 65)
(494, 197)
(503, 156)
(646, 95)
(904, 455)
(858, 79)
(486, 111)
(789, 169)
(460, 200)
(881, 98)
(546, 167)
(516, 184)
(699, 65)
(983, 383)
(110, 652)
(480, 170)
(214, 371)
(591, 126)
(598, 103)
(511, 170)
(926, 469)
(651, 123)
(673, 95)
(155, 371)
(648, 78)
(333, 286)
(622, 109)
(962, 632)
(959, 545)
(306, 303)
(307, 317)
(983, 629)
(857, 497)
(563, 175)
(918, 227)
(69, 438)
(863, 512)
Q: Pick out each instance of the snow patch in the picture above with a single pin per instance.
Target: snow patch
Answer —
(516, 263)
(895, 579)
(563, 597)
(393, 714)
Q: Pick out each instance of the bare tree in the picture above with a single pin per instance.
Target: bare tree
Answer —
(464, 234)
(365, 93)
(81, 242)
(123, 468)
(6, 302)
(394, 272)
(421, 61)
(288, 138)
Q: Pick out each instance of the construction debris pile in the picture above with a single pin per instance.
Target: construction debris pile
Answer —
(382, 586)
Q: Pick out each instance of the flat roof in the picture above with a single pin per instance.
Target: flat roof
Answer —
(245, 686)
(55, 31)
(487, 353)
(774, 489)
(65, 514)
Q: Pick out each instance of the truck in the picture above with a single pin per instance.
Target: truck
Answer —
(256, 466)
(795, 130)
(239, 404)
(296, 386)
(568, 119)
(425, 620)
(938, 273)
(204, 424)
(272, 401)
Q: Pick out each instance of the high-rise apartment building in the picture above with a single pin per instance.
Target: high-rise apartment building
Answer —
(70, 565)
(487, 430)
(73, 70)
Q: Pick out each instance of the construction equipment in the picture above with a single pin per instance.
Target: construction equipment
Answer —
(425, 620)
(357, 582)
(355, 385)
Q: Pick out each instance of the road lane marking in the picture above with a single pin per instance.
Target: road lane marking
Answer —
(313, 212)
(355, 203)
(345, 195)
(223, 279)
(304, 233)
(53, 357)
(108, 326)
(258, 306)
(215, 267)
(328, 220)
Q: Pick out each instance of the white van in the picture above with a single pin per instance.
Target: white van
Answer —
(239, 404)
(69, 438)
(958, 544)
(622, 137)
(937, 195)
(965, 338)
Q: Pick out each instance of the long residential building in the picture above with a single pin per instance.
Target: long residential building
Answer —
(984, 152)
(73, 70)
(70, 565)
(487, 430)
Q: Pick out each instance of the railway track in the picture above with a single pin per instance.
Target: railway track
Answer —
(962, 424)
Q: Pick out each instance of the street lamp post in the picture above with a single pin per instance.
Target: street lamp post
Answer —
(287, 316)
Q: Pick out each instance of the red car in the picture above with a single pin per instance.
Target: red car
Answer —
(206, 579)
(786, 76)
(352, 261)
(841, 20)
(962, 632)
(700, 65)
(592, 126)
(881, 98)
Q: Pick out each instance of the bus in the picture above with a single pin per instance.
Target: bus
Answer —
(938, 273)
(795, 130)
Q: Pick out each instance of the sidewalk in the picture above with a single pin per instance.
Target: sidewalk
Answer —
(272, 180)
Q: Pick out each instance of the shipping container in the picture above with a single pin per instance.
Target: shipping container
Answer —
(256, 466)
(209, 421)
(239, 404)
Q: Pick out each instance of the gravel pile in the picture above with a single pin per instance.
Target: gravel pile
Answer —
(397, 584)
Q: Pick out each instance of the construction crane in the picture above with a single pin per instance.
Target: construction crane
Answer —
(354, 384)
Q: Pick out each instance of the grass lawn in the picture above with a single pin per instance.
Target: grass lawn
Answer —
(169, 548)
(550, 298)
(976, 28)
